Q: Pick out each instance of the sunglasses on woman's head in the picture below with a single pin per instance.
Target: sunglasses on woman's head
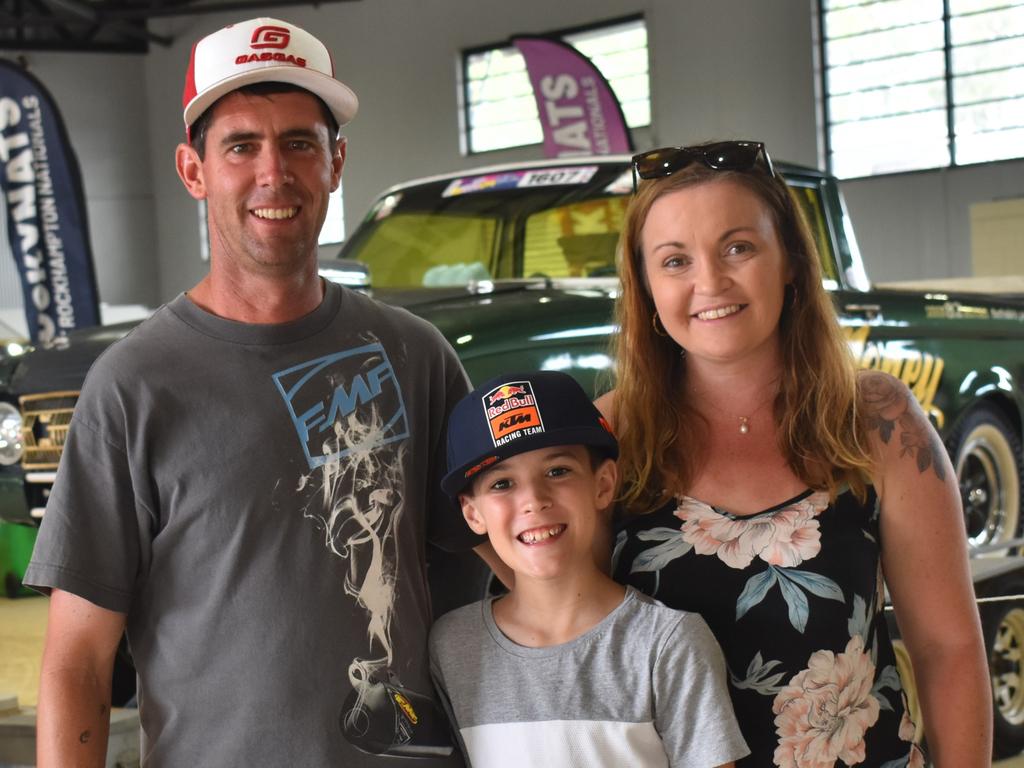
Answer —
(718, 156)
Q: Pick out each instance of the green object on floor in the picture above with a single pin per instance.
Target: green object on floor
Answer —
(16, 543)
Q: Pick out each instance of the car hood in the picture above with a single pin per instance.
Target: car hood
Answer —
(454, 310)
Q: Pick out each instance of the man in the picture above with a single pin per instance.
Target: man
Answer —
(247, 480)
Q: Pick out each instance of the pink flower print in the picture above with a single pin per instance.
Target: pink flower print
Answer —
(825, 710)
(907, 728)
(785, 537)
(907, 732)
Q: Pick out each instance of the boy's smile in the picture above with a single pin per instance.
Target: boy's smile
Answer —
(541, 509)
(540, 535)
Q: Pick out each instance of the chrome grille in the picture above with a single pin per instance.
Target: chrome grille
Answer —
(45, 421)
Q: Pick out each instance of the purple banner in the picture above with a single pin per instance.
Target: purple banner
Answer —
(578, 110)
(46, 223)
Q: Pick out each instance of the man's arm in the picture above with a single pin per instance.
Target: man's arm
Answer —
(74, 689)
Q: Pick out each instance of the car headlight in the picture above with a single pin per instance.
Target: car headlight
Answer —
(11, 446)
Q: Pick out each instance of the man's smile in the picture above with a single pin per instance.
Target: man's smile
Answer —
(275, 213)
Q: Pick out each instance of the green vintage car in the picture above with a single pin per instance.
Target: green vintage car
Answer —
(516, 266)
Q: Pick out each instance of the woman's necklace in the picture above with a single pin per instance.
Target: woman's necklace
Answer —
(744, 421)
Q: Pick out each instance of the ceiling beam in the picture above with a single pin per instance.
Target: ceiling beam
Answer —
(95, 14)
(104, 25)
(121, 11)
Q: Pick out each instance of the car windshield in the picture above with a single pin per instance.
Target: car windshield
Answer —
(544, 222)
(532, 223)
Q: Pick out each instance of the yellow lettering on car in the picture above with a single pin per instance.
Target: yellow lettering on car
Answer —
(920, 371)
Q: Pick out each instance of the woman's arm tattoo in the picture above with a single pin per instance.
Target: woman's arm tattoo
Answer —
(888, 409)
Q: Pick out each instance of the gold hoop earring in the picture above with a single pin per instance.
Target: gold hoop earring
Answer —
(655, 323)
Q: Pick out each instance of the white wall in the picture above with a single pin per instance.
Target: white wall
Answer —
(918, 225)
(719, 68)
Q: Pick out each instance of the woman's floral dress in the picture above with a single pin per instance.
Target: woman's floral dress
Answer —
(794, 596)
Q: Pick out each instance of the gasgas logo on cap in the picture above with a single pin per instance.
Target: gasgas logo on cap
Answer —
(270, 37)
(512, 412)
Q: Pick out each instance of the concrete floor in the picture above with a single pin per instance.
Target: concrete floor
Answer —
(22, 626)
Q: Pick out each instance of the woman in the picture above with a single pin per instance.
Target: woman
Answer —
(768, 485)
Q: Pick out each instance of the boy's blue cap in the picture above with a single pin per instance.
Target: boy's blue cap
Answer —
(519, 412)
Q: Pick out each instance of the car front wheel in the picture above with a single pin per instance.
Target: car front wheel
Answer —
(986, 453)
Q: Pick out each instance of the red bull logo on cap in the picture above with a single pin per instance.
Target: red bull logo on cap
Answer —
(504, 392)
(512, 412)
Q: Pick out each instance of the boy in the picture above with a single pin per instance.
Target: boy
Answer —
(569, 668)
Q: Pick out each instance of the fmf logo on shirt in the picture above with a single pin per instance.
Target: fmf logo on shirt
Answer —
(270, 37)
(345, 402)
(512, 412)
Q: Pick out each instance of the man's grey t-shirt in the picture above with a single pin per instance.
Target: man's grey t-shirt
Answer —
(645, 688)
(255, 498)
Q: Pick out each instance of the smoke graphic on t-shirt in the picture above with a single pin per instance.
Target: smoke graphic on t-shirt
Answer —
(357, 481)
(362, 508)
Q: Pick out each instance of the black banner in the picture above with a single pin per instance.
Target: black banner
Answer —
(46, 221)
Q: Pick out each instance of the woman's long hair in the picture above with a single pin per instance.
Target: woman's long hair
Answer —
(820, 431)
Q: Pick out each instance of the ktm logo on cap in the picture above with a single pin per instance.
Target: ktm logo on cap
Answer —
(512, 412)
(270, 37)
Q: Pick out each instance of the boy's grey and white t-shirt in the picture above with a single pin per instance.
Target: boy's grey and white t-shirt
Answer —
(646, 687)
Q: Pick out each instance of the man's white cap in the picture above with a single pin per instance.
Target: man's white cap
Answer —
(260, 51)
